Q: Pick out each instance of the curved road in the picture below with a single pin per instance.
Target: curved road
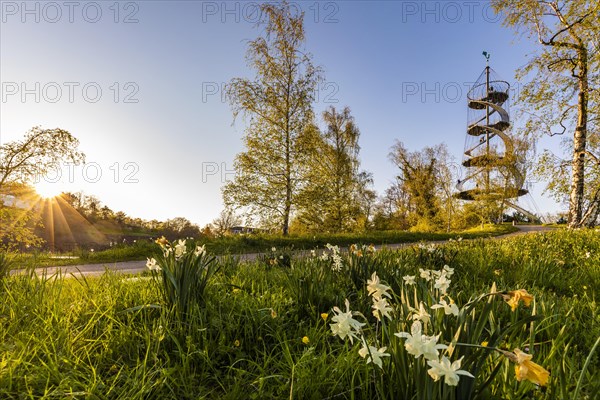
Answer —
(137, 267)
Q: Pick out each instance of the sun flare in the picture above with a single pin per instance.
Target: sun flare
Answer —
(49, 190)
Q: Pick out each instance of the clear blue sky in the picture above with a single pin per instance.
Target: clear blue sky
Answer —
(139, 84)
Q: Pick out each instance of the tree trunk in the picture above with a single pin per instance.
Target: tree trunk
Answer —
(288, 180)
(288, 201)
(593, 211)
(579, 144)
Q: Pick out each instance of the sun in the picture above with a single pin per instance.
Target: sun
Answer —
(49, 190)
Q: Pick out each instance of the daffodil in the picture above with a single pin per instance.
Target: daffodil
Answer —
(418, 344)
(449, 271)
(344, 325)
(376, 288)
(152, 265)
(442, 283)
(450, 371)
(332, 248)
(381, 308)
(425, 274)
(372, 354)
(337, 262)
(430, 347)
(515, 296)
(162, 241)
(527, 369)
(421, 314)
(409, 279)
(414, 342)
(448, 308)
(305, 340)
(324, 316)
(180, 248)
(200, 251)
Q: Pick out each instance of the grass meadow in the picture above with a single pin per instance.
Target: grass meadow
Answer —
(240, 244)
(198, 327)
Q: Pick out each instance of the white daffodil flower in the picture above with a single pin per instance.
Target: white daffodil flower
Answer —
(421, 314)
(345, 325)
(200, 251)
(180, 248)
(377, 289)
(334, 249)
(425, 274)
(449, 371)
(442, 283)
(337, 262)
(373, 354)
(381, 308)
(409, 279)
(449, 271)
(418, 344)
(152, 265)
(448, 308)
(414, 343)
(430, 347)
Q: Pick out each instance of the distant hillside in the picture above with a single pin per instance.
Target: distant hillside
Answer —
(77, 220)
(65, 228)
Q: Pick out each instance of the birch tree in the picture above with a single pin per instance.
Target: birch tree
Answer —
(277, 104)
(561, 94)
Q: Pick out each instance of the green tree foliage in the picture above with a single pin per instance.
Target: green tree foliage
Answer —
(422, 188)
(18, 218)
(555, 170)
(280, 135)
(36, 154)
(391, 210)
(181, 227)
(226, 220)
(338, 197)
(562, 92)
(20, 162)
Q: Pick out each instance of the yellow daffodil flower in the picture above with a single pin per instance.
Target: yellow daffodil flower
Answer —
(515, 296)
(527, 369)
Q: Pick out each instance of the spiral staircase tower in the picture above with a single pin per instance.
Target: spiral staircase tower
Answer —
(494, 169)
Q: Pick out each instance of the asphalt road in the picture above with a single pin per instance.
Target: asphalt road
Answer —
(137, 267)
